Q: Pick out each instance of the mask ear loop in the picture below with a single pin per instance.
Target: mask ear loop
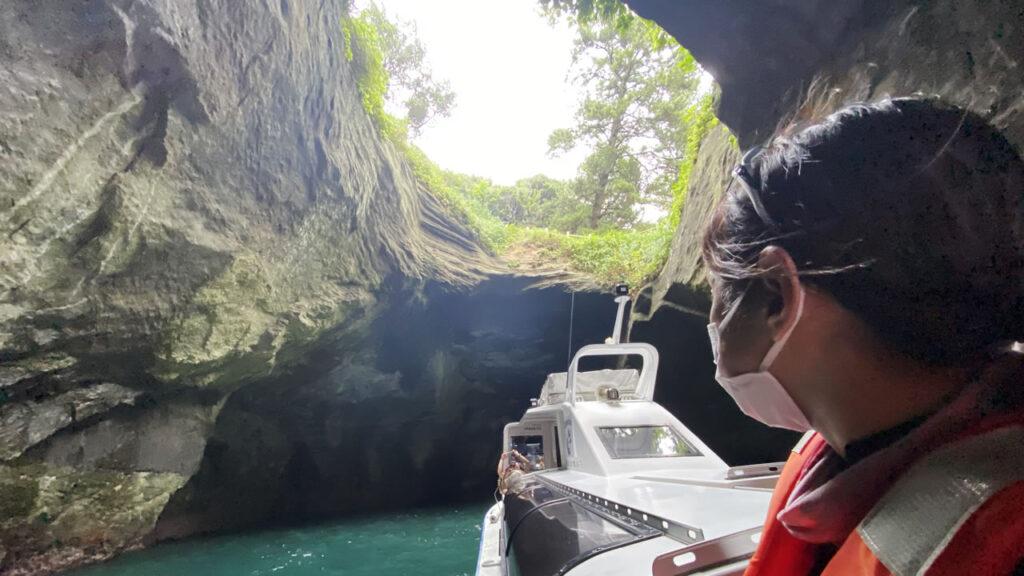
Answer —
(735, 307)
(715, 328)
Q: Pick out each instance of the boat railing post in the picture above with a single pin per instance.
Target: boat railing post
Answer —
(570, 383)
(621, 297)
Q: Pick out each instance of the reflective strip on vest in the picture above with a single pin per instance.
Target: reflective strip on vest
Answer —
(917, 518)
(804, 440)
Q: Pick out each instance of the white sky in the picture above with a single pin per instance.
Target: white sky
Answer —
(508, 68)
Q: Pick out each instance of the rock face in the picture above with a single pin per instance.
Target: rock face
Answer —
(764, 55)
(190, 196)
(409, 413)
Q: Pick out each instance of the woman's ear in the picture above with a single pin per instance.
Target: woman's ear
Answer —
(780, 276)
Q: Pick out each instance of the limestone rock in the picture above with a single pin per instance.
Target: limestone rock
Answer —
(73, 516)
(406, 411)
(764, 55)
(191, 197)
(198, 186)
(26, 424)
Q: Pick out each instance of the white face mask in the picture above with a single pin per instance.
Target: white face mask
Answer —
(759, 394)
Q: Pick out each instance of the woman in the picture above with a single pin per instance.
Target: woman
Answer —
(868, 284)
(511, 467)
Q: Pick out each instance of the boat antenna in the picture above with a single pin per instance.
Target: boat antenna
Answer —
(572, 309)
(621, 297)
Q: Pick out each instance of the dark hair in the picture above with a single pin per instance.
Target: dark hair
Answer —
(909, 213)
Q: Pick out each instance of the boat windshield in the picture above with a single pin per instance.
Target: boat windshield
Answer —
(644, 442)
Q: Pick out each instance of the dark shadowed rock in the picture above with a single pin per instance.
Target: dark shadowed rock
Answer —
(406, 412)
(765, 54)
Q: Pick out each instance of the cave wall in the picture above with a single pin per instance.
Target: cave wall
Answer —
(409, 413)
(764, 56)
(191, 197)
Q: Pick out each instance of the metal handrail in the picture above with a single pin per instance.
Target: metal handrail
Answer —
(645, 385)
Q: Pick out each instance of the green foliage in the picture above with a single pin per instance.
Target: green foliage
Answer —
(701, 119)
(640, 118)
(630, 256)
(538, 201)
(638, 87)
(346, 32)
(363, 49)
(589, 11)
(604, 12)
(611, 257)
(644, 121)
(454, 191)
(399, 77)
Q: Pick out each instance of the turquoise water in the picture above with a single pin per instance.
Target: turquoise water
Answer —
(436, 542)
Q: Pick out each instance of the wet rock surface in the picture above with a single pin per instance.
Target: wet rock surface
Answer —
(408, 413)
(26, 424)
(191, 196)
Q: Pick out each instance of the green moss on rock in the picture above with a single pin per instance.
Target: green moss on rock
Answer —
(45, 507)
(17, 494)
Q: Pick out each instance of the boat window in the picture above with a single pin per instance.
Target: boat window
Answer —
(558, 450)
(532, 448)
(644, 442)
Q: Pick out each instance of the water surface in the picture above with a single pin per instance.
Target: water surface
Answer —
(434, 542)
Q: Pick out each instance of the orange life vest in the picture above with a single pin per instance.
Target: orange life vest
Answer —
(957, 510)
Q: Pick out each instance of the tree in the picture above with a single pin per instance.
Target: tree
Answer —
(538, 201)
(411, 88)
(638, 86)
(588, 11)
(549, 203)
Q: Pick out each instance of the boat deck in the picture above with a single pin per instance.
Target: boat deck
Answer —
(696, 498)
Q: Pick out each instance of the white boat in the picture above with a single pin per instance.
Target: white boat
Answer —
(618, 485)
